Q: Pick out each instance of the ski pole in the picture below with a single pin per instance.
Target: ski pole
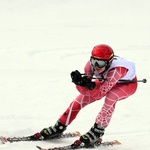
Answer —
(125, 81)
(132, 81)
(121, 80)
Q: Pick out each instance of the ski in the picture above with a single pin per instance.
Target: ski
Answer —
(81, 145)
(4, 140)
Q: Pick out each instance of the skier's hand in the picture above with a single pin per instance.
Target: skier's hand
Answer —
(76, 77)
(88, 83)
(82, 81)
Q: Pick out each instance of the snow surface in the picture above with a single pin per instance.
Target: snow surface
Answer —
(42, 41)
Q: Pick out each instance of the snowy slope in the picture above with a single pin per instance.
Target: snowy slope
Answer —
(42, 41)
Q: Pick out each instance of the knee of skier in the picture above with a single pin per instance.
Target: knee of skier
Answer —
(75, 106)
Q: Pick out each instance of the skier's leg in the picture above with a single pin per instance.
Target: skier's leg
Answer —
(70, 114)
(67, 117)
(119, 92)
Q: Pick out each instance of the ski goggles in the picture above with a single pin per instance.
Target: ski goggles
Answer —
(98, 62)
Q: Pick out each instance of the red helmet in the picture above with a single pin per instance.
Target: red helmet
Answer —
(103, 52)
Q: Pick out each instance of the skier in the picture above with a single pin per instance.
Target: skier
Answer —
(108, 71)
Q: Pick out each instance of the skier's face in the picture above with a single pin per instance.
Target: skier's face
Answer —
(99, 70)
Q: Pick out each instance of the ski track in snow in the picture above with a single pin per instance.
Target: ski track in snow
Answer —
(42, 42)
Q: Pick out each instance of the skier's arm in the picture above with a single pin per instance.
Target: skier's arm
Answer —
(101, 89)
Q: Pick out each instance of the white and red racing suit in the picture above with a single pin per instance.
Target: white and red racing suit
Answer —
(110, 88)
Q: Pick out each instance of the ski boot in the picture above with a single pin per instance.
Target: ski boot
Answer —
(53, 131)
(92, 137)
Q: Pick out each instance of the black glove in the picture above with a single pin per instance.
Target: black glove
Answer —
(88, 83)
(76, 77)
(82, 81)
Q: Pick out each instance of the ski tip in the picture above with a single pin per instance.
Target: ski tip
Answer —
(77, 133)
(39, 147)
(116, 142)
(3, 140)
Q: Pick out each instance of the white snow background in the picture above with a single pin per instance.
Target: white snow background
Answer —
(42, 41)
